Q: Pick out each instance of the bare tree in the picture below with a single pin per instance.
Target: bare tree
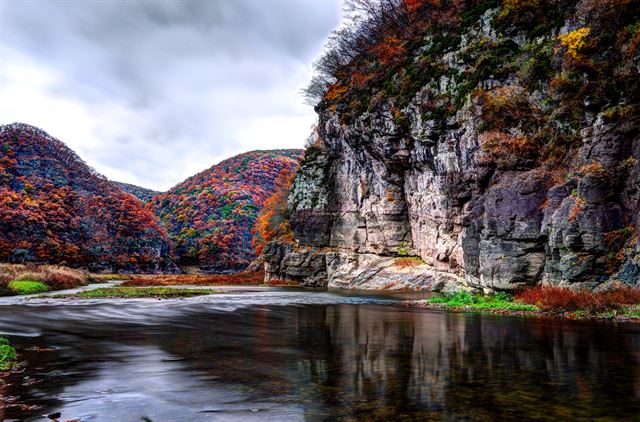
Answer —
(366, 23)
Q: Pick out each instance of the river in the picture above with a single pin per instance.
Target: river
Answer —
(282, 354)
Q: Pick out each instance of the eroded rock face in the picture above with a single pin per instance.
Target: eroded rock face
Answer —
(379, 196)
(391, 183)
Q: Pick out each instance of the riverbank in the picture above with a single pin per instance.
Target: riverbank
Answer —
(137, 293)
(237, 279)
(622, 304)
(27, 280)
(19, 279)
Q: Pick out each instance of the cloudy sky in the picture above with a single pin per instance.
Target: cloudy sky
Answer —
(152, 91)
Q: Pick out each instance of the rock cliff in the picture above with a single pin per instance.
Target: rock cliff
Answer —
(511, 162)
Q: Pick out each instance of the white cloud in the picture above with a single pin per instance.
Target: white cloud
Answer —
(152, 92)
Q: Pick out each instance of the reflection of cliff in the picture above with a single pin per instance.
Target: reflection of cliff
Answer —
(382, 362)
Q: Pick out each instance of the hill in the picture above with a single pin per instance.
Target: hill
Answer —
(210, 216)
(54, 208)
(143, 194)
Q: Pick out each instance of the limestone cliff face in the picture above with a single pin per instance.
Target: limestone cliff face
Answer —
(382, 189)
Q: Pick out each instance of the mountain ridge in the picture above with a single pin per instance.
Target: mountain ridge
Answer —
(57, 209)
(143, 194)
(211, 214)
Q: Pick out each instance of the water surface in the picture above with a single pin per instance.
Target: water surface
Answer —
(294, 355)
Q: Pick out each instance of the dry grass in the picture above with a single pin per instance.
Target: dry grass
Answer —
(560, 299)
(104, 278)
(239, 279)
(408, 262)
(56, 277)
(282, 283)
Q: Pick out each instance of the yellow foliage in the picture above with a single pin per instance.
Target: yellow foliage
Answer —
(575, 41)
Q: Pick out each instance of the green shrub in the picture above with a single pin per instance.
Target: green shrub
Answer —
(27, 287)
(468, 300)
(7, 354)
(139, 292)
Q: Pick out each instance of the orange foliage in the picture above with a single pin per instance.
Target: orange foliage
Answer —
(335, 91)
(272, 222)
(413, 5)
(505, 149)
(575, 210)
(210, 216)
(56, 209)
(560, 299)
(359, 79)
(389, 50)
(593, 168)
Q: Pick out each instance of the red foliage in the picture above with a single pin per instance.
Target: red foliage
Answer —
(272, 222)
(561, 299)
(210, 216)
(56, 209)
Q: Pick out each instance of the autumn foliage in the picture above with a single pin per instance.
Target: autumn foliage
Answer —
(273, 222)
(56, 209)
(143, 194)
(210, 216)
(55, 277)
(561, 299)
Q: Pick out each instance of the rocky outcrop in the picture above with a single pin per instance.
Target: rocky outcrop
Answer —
(389, 184)
(497, 231)
(314, 267)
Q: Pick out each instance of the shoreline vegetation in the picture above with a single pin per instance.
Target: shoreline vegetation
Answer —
(137, 293)
(621, 304)
(8, 356)
(24, 279)
(236, 279)
(618, 303)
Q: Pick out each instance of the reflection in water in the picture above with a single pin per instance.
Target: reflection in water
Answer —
(318, 356)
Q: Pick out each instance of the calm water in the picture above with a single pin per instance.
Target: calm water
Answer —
(282, 355)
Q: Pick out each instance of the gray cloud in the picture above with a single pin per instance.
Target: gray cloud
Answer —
(158, 90)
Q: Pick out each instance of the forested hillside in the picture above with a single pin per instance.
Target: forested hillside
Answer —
(210, 216)
(56, 209)
(143, 194)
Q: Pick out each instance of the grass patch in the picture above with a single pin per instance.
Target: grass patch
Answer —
(466, 300)
(7, 355)
(139, 292)
(238, 279)
(53, 276)
(27, 287)
(633, 312)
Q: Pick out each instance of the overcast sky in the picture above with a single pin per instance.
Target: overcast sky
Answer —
(151, 92)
